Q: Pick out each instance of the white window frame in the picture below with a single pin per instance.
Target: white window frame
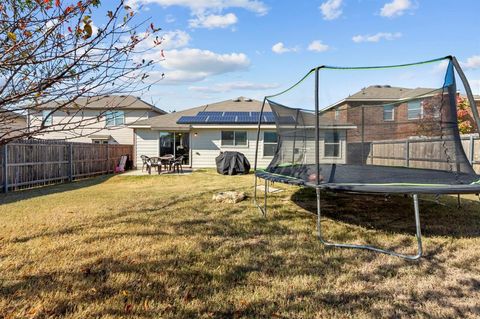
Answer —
(337, 113)
(234, 138)
(421, 110)
(269, 143)
(339, 143)
(47, 118)
(392, 118)
(114, 115)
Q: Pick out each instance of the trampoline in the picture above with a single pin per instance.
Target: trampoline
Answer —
(339, 130)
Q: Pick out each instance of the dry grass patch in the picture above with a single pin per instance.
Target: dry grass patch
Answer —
(159, 247)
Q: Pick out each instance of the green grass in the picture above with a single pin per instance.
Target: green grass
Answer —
(158, 247)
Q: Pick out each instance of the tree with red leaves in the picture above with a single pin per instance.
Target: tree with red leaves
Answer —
(464, 117)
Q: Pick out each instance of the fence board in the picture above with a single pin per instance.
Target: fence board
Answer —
(423, 153)
(33, 163)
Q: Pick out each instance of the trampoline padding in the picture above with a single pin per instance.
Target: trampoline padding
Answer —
(375, 179)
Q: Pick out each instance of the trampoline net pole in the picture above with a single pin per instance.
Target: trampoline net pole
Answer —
(317, 128)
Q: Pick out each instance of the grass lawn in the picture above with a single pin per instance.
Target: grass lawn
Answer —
(158, 247)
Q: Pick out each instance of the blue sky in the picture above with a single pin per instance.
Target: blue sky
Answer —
(220, 49)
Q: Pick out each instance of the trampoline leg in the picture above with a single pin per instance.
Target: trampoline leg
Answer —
(459, 201)
(263, 210)
(372, 248)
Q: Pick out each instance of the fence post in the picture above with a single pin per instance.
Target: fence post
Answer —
(70, 162)
(407, 153)
(5, 168)
(108, 159)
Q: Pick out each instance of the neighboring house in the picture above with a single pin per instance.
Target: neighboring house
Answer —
(383, 113)
(101, 119)
(201, 133)
(12, 124)
(387, 112)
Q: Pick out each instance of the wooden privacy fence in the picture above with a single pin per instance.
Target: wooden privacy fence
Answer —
(421, 153)
(32, 163)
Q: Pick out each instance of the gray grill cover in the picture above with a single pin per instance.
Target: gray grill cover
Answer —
(232, 163)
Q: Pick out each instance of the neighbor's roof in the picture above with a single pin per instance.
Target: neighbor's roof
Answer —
(385, 93)
(124, 102)
(169, 121)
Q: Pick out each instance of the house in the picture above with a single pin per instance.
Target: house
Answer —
(100, 119)
(387, 116)
(384, 112)
(201, 133)
(12, 124)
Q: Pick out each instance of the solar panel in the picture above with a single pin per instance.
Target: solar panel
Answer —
(192, 119)
(269, 118)
(210, 113)
(231, 117)
(237, 113)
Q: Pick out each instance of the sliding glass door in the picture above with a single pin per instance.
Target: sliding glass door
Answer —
(175, 143)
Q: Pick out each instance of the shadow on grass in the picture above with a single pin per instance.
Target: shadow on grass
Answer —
(395, 213)
(15, 196)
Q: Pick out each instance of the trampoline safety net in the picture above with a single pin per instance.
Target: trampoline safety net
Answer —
(392, 126)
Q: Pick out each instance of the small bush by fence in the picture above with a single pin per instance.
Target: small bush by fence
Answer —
(32, 163)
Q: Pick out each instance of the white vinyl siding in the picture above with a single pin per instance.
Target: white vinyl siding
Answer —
(207, 145)
(146, 143)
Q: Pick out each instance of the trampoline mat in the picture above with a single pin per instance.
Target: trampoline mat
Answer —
(374, 178)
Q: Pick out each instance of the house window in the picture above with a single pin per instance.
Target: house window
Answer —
(47, 118)
(270, 142)
(388, 113)
(114, 118)
(100, 141)
(234, 138)
(332, 144)
(337, 114)
(415, 110)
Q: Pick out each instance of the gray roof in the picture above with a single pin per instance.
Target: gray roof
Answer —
(124, 102)
(387, 93)
(169, 121)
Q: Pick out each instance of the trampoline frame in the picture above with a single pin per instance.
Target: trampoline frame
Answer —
(318, 186)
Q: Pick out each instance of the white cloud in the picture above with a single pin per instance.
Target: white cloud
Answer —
(231, 86)
(331, 9)
(175, 39)
(203, 6)
(193, 65)
(475, 86)
(170, 18)
(213, 21)
(280, 48)
(376, 37)
(395, 8)
(318, 46)
(472, 62)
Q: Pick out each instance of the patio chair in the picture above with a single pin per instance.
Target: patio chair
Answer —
(177, 164)
(154, 162)
(145, 159)
(167, 160)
